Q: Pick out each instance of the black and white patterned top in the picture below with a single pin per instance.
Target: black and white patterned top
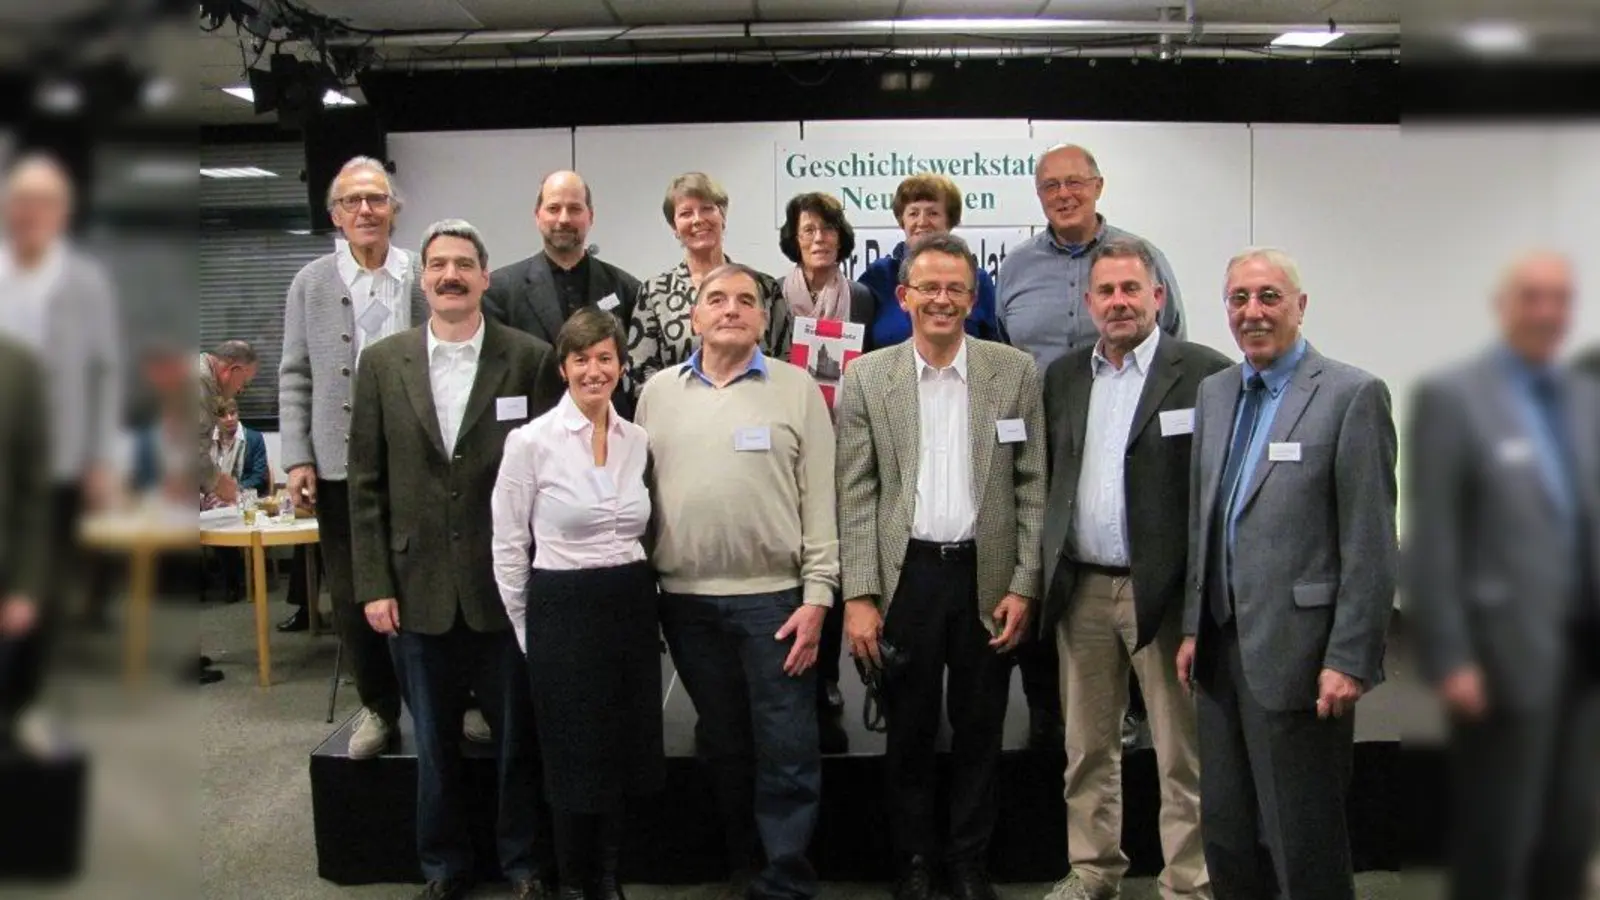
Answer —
(659, 337)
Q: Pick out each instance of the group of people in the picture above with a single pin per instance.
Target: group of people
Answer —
(524, 476)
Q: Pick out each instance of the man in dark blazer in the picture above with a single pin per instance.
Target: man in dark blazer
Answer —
(24, 534)
(1119, 417)
(540, 293)
(433, 407)
(1588, 362)
(1292, 572)
(1502, 563)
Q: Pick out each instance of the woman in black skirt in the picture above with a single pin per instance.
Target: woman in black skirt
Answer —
(571, 493)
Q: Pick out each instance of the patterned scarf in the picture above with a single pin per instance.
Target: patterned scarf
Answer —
(832, 302)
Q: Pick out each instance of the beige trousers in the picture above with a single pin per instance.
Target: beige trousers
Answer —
(1095, 638)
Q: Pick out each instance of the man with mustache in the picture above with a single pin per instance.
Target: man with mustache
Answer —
(1293, 562)
(540, 293)
(1042, 309)
(1120, 414)
(339, 305)
(434, 405)
(941, 499)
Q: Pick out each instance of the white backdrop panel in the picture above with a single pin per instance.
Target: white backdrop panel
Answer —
(1184, 188)
(489, 178)
(1577, 214)
(629, 167)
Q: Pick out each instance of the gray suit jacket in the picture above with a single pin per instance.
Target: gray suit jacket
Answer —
(1315, 553)
(1489, 567)
(24, 469)
(83, 364)
(420, 518)
(879, 441)
(317, 372)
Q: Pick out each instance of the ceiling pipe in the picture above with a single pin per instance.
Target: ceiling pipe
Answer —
(899, 54)
(875, 28)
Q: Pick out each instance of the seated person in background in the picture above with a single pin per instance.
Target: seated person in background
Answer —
(241, 452)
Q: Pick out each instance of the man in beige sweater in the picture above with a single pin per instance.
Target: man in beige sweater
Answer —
(746, 546)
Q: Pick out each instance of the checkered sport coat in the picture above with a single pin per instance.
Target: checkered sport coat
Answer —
(879, 449)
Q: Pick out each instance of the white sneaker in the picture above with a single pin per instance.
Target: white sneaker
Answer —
(475, 728)
(371, 735)
(1073, 888)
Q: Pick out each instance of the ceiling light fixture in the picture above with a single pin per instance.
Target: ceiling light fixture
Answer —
(1310, 39)
(237, 172)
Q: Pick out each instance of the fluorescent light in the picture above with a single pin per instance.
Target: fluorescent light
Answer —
(1496, 38)
(243, 92)
(334, 98)
(239, 172)
(1313, 39)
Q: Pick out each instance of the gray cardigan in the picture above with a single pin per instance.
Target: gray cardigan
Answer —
(82, 361)
(316, 376)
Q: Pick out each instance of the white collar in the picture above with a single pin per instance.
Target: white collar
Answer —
(52, 262)
(1142, 355)
(475, 342)
(573, 419)
(959, 363)
(397, 264)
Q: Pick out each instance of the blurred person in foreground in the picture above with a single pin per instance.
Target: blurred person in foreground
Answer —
(60, 303)
(1503, 503)
(24, 544)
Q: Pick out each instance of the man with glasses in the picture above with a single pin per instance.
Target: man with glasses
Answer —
(941, 503)
(1043, 283)
(1293, 565)
(338, 306)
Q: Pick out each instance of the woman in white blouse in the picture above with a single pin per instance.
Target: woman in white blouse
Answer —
(571, 494)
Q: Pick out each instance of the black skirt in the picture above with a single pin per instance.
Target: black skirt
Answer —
(594, 663)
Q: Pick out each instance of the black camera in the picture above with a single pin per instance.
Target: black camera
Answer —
(876, 677)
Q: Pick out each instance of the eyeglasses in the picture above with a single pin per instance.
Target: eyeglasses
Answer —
(812, 232)
(1269, 297)
(953, 291)
(376, 202)
(1075, 185)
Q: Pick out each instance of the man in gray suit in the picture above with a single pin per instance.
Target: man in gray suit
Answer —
(1502, 563)
(337, 306)
(1292, 570)
(1120, 415)
(941, 484)
(433, 407)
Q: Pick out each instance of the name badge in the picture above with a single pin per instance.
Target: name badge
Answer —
(1011, 431)
(609, 302)
(374, 317)
(508, 408)
(1288, 452)
(1515, 451)
(1177, 421)
(753, 439)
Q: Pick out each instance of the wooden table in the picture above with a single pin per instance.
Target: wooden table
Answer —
(257, 539)
(142, 535)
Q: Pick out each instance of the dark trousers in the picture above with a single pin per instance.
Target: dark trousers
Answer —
(934, 619)
(831, 645)
(756, 727)
(1039, 666)
(1272, 788)
(23, 659)
(366, 652)
(438, 671)
(299, 583)
(1526, 795)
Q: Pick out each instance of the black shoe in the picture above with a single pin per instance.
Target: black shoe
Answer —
(1135, 731)
(448, 889)
(210, 676)
(1045, 731)
(536, 887)
(916, 881)
(299, 621)
(206, 662)
(970, 882)
(609, 886)
(828, 696)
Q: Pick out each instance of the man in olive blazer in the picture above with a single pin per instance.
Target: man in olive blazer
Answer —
(24, 536)
(433, 407)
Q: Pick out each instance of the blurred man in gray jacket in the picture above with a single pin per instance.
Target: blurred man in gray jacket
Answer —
(1502, 563)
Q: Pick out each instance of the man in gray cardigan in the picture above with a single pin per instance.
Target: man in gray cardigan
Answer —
(338, 305)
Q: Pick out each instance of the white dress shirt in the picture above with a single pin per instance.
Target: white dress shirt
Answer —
(27, 295)
(945, 512)
(379, 298)
(452, 366)
(1101, 522)
(552, 497)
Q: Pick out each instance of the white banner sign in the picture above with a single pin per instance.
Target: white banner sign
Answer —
(995, 177)
(990, 245)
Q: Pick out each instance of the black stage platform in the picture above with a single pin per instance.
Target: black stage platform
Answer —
(365, 811)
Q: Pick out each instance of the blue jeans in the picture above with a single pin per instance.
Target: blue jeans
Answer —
(756, 727)
(436, 672)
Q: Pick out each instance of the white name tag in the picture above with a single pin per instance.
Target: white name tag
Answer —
(1011, 431)
(1515, 451)
(609, 302)
(1284, 452)
(508, 408)
(1177, 421)
(752, 439)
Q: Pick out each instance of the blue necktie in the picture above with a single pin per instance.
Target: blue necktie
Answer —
(1228, 490)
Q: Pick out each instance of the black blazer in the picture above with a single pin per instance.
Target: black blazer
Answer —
(1155, 480)
(24, 474)
(421, 526)
(1588, 362)
(523, 295)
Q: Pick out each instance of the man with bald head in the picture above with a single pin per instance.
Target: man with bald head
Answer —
(1502, 563)
(538, 294)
